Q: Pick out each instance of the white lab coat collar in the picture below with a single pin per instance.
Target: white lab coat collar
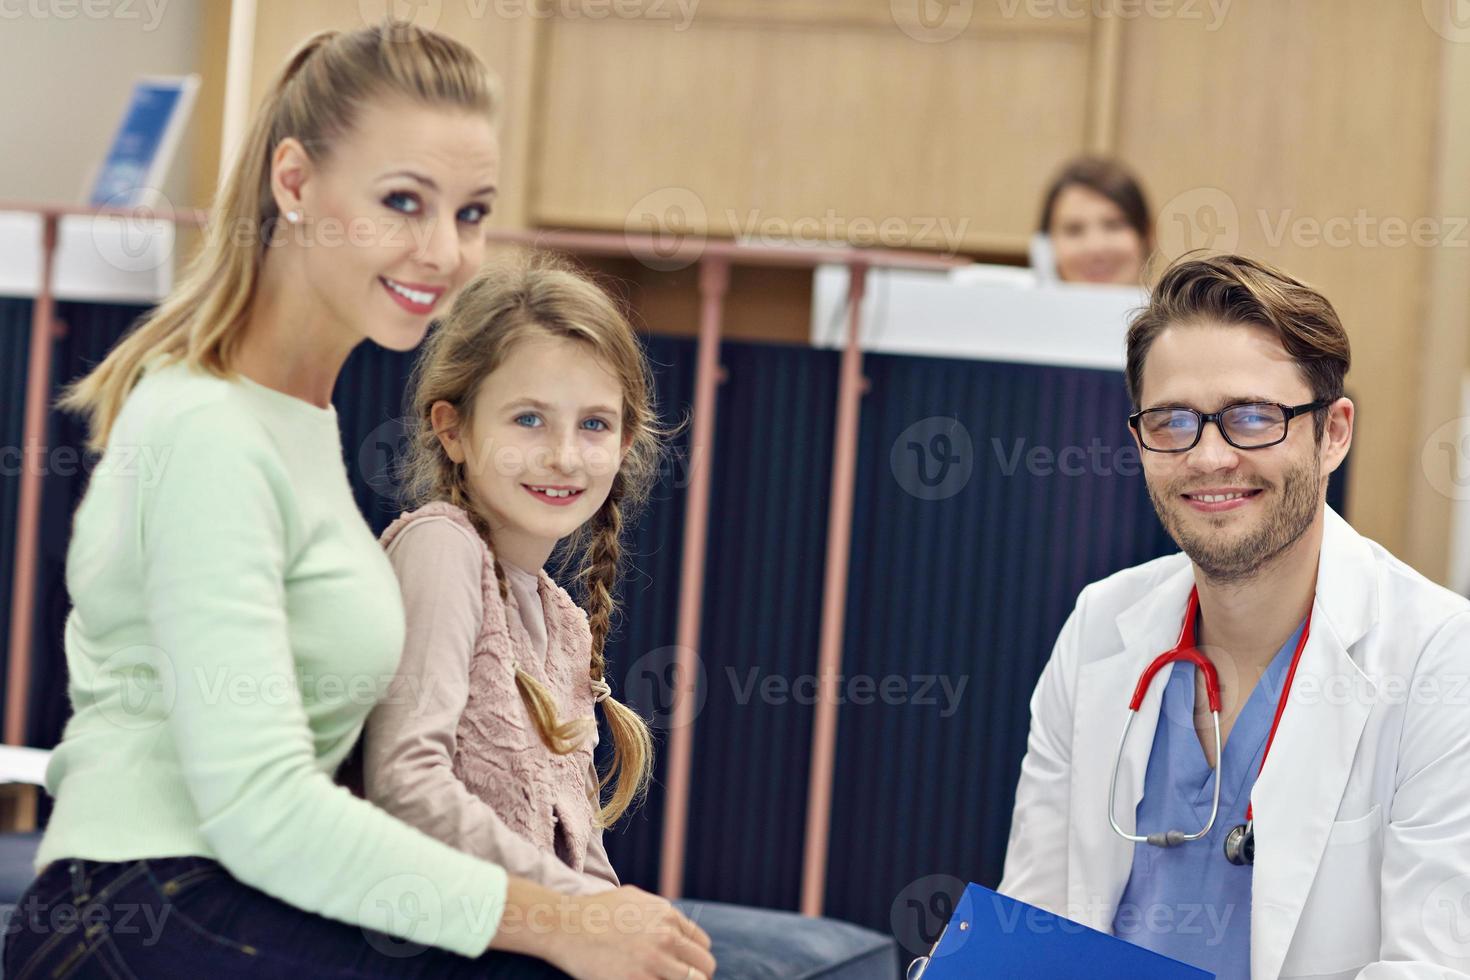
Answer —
(1347, 594)
(1347, 582)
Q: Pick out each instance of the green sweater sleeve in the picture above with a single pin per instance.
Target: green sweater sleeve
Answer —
(214, 533)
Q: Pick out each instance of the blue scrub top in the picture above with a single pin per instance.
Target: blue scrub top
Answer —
(1188, 902)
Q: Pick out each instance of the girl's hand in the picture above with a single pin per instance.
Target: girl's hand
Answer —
(632, 935)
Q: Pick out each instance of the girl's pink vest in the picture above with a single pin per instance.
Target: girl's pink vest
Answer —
(498, 754)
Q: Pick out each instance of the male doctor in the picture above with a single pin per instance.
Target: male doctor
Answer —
(1359, 818)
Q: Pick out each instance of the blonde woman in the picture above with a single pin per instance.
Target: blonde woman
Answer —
(229, 614)
(532, 426)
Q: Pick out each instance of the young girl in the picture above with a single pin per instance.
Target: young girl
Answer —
(531, 424)
(196, 830)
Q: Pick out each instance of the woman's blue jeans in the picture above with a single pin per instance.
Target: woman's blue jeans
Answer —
(166, 918)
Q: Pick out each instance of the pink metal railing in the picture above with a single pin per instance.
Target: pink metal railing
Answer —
(715, 258)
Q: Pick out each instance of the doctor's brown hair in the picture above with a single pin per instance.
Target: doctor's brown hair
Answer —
(1233, 289)
(506, 303)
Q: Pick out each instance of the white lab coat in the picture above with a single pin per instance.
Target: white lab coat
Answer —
(1362, 814)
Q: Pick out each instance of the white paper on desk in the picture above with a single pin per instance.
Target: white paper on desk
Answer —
(980, 312)
(19, 764)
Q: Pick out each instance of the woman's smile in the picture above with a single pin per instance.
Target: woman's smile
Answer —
(413, 297)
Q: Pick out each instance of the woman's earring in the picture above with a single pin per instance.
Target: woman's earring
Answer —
(293, 216)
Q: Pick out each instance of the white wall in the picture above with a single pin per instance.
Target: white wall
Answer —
(67, 68)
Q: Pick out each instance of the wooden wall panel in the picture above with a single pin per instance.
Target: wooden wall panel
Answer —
(1255, 136)
(505, 44)
(829, 122)
(1437, 488)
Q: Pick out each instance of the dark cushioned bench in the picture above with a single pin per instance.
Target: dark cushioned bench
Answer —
(16, 853)
(750, 944)
(761, 944)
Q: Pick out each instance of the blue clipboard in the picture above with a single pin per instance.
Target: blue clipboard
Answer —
(991, 935)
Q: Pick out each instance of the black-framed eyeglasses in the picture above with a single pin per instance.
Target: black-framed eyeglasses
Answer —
(1249, 425)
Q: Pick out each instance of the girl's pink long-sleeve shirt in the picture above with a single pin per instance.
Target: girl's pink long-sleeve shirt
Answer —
(451, 748)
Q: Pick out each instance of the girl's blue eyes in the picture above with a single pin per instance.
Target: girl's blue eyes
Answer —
(602, 426)
(399, 201)
(407, 203)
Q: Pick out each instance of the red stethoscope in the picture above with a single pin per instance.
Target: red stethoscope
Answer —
(1240, 843)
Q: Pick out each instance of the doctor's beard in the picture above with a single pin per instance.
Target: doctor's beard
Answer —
(1225, 558)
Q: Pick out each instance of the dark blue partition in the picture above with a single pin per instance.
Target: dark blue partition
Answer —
(15, 335)
(762, 617)
(91, 329)
(369, 402)
(987, 496)
(960, 599)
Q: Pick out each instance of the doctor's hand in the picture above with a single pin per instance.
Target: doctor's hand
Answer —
(622, 934)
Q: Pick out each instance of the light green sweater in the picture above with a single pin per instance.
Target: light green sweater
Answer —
(233, 622)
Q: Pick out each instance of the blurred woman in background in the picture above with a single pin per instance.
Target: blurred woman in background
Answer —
(1096, 219)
